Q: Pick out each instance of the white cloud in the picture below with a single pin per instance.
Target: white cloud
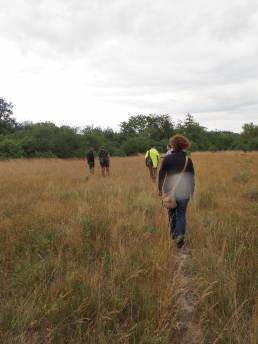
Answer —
(96, 62)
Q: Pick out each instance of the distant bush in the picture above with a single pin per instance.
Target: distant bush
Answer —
(136, 135)
(117, 152)
(10, 149)
(134, 145)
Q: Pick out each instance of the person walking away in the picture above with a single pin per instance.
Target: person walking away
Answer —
(90, 160)
(104, 160)
(152, 157)
(177, 180)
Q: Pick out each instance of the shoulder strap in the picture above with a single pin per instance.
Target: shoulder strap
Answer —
(179, 177)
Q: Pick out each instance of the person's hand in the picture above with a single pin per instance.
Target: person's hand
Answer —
(160, 193)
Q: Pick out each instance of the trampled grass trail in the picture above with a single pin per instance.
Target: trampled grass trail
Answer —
(190, 327)
(88, 260)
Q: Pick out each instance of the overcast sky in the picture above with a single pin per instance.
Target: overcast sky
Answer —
(82, 62)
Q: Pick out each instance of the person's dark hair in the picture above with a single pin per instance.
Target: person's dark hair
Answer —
(179, 142)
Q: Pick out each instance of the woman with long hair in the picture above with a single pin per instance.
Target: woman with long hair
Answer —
(176, 176)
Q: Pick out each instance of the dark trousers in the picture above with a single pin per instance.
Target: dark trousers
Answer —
(91, 165)
(177, 218)
(153, 173)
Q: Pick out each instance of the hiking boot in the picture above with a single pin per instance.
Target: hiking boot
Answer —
(180, 241)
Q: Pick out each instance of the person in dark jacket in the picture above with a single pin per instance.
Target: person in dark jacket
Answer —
(172, 165)
(90, 160)
(104, 160)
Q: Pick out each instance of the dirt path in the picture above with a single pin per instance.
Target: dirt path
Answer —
(190, 330)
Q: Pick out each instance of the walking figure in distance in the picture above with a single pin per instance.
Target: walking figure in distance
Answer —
(104, 160)
(90, 160)
(152, 160)
(176, 179)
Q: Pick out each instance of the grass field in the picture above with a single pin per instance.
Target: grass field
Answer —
(89, 260)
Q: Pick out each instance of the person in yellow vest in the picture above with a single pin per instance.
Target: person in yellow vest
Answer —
(152, 160)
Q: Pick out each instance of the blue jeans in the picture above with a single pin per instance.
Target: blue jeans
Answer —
(177, 218)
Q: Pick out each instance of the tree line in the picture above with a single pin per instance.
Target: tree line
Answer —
(136, 135)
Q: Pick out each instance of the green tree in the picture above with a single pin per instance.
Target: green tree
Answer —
(155, 127)
(249, 137)
(94, 137)
(223, 140)
(249, 130)
(7, 122)
(196, 133)
(134, 126)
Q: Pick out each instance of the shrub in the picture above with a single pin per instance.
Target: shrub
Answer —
(134, 145)
(10, 149)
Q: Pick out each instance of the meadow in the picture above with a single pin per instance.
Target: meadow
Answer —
(89, 260)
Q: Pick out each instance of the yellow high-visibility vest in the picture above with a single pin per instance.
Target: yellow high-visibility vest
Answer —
(154, 154)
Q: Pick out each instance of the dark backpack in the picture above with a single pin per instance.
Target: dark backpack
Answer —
(103, 156)
(148, 160)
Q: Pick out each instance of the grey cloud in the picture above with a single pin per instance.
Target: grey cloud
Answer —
(162, 55)
(236, 21)
(67, 26)
(74, 25)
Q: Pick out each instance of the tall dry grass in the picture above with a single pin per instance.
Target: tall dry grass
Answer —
(223, 223)
(89, 260)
